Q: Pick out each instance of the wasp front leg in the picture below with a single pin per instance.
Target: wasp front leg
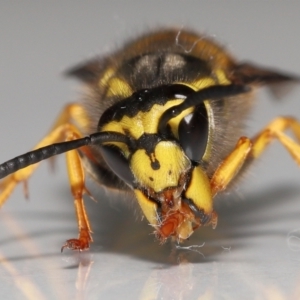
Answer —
(59, 131)
(76, 178)
(8, 184)
(63, 130)
(246, 150)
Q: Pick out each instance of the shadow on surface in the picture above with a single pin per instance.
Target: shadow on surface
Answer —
(120, 232)
(117, 229)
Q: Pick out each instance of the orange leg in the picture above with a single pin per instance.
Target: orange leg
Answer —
(72, 112)
(8, 184)
(76, 178)
(63, 129)
(247, 150)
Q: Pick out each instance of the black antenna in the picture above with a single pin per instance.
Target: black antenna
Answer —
(43, 153)
(210, 93)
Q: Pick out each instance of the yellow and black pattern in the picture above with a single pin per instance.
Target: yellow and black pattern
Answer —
(162, 117)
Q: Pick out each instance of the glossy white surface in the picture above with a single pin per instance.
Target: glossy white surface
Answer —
(255, 251)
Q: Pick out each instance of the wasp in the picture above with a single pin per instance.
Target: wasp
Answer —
(162, 117)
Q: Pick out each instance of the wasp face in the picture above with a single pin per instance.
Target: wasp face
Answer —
(160, 163)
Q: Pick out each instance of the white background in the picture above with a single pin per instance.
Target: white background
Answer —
(255, 251)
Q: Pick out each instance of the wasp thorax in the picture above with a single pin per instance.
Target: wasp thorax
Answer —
(161, 168)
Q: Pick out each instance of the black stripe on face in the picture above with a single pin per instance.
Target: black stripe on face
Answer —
(143, 101)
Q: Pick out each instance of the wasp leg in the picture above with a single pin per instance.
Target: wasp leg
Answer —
(58, 133)
(275, 130)
(72, 112)
(8, 184)
(62, 130)
(76, 178)
(246, 150)
(230, 166)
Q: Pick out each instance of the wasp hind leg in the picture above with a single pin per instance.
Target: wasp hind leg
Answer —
(247, 150)
(62, 130)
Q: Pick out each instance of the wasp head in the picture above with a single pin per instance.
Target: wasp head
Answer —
(174, 195)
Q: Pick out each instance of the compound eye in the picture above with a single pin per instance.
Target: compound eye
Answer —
(193, 133)
(118, 163)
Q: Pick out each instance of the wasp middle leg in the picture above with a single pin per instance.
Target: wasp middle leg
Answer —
(247, 150)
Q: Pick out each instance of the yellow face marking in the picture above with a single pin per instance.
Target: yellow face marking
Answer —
(142, 122)
(199, 190)
(211, 128)
(172, 163)
(174, 122)
(148, 207)
(150, 120)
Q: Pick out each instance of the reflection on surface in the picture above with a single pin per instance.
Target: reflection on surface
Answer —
(293, 240)
(250, 255)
